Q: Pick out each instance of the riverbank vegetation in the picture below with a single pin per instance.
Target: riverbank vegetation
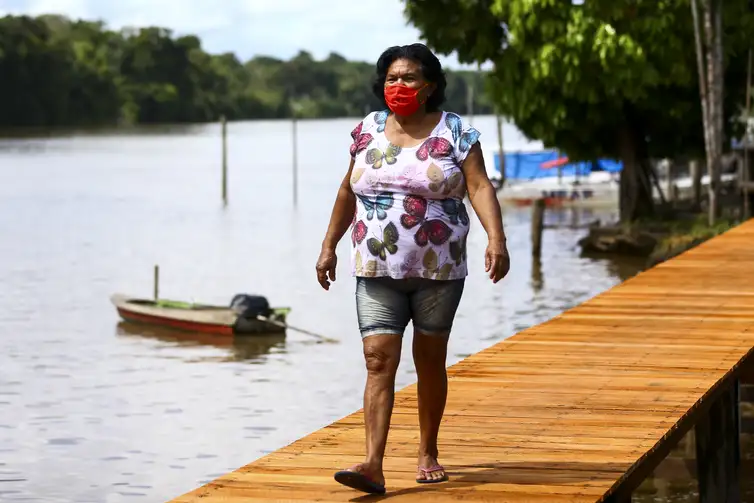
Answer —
(655, 239)
(62, 72)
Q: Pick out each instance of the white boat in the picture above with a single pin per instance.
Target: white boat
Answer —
(544, 174)
(593, 190)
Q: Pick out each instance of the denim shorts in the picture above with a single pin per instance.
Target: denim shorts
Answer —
(385, 305)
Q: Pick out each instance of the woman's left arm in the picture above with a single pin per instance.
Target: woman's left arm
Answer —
(483, 199)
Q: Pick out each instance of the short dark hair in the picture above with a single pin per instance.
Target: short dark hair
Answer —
(431, 71)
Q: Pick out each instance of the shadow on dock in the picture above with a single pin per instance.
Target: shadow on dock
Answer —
(515, 473)
(240, 348)
(674, 480)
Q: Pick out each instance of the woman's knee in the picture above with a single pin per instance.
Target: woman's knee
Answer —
(430, 351)
(382, 354)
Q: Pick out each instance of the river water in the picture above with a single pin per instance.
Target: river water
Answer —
(93, 410)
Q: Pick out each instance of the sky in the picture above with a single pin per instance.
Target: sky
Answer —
(356, 29)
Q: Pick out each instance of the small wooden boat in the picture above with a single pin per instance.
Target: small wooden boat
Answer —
(247, 314)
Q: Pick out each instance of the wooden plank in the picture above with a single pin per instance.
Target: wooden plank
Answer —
(578, 409)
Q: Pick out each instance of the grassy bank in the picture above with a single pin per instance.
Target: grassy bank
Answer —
(657, 240)
(684, 235)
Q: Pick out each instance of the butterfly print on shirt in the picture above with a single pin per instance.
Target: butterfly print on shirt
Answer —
(383, 201)
(433, 231)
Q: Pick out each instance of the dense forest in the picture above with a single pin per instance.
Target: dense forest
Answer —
(60, 72)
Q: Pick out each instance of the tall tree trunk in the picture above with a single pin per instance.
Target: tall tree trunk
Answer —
(715, 177)
(701, 69)
(635, 196)
(713, 37)
(709, 56)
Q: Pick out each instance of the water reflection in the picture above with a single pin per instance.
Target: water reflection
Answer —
(241, 348)
(537, 278)
(577, 217)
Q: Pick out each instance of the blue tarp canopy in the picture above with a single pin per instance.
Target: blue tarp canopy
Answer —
(528, 165)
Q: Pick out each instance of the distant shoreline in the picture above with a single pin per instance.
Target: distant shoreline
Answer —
(77, 73)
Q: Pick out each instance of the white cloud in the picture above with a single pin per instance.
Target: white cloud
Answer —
(183, 17)
(358, 30)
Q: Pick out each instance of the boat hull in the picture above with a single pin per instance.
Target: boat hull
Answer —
(178, 324)
(595, 191)
(205, 319)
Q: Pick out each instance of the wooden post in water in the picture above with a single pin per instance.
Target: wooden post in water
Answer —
(717, 449)
(470, 102)
(224, 127)
(537, 278)
(502, 150)
(537, 226)
(295, 161)
(156, 282)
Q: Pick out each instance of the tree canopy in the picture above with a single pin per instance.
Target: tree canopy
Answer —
(613, 78)
(60, 72)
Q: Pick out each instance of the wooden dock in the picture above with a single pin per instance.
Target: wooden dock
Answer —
(578, 409)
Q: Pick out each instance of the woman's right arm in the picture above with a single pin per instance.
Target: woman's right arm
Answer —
(340, 219)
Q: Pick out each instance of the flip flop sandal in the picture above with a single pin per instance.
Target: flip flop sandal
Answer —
(359, 481)
(427, 471)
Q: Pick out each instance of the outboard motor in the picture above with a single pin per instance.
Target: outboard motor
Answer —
(250, 306)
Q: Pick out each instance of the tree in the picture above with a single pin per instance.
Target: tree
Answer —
(607, 78)
(58, 72)
(709, 55)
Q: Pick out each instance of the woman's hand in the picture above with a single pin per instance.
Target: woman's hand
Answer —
(497, 262)
(326, 267)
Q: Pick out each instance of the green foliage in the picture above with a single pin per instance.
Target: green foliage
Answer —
(684, 235)
(612, 78)
(58, 72)
(574, 75)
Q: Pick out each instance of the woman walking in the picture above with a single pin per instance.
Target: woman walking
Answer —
(411, 166)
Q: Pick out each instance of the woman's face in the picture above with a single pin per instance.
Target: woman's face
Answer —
(408, 73)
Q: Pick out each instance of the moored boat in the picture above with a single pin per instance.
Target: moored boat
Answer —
(556, 179)
(246, 315)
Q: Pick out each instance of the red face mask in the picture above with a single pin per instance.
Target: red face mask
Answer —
(402, 100)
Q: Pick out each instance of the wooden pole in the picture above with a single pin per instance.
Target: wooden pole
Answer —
(224, 127)
(717, 449)
(537, 278)
(156, 282)
(537, 226)
(470, 102)
(295, 161)
(502, 150)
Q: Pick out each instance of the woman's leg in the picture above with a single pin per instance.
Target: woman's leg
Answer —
(382, 353)
(383, 312)
(432, 388)
(434, 306)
